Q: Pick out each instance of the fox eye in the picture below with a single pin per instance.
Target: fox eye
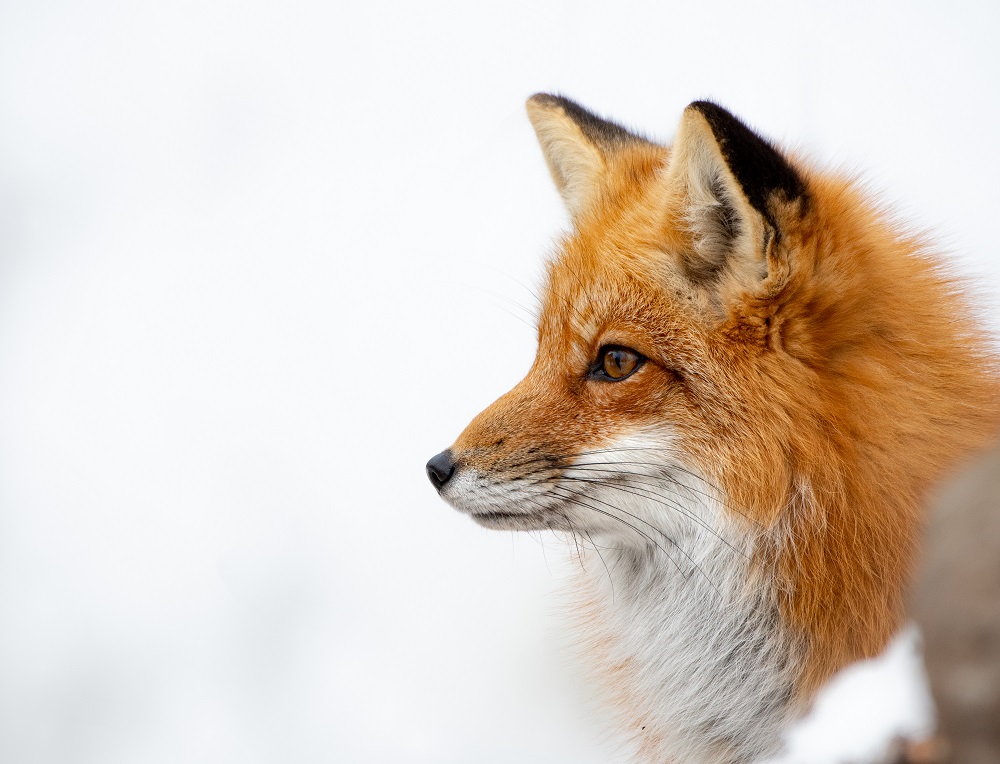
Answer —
(615, 363)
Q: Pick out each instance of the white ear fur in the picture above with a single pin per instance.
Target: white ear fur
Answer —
(577, 166)
(723, 224)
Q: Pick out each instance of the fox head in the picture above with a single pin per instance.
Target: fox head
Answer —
(654, 329)
(734, 342)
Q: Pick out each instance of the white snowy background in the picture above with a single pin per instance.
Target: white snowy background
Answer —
(259, 261)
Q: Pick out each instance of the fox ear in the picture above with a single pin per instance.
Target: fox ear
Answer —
(729, 179)
(577, 146)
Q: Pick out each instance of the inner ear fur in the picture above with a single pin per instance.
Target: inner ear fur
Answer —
(577, 146)
(729, 182)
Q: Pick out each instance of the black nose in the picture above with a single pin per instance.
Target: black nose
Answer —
(440, 469)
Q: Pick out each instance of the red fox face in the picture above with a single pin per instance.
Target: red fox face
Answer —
(639, 375)
(606, 386)
(745, 369)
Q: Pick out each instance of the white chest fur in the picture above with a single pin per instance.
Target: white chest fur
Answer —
(690, 649)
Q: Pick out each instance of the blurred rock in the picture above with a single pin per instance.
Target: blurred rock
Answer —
(956, 603)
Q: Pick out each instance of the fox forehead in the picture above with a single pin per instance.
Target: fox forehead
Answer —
(616, 280)
(585, 308)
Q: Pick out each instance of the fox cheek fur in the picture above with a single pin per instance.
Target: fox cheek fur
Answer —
(748, 378)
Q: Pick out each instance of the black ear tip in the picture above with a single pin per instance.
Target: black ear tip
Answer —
(710, 109)
(759, 167)
(545, 100)
(553, 102)
(603, 133)
(723, 122)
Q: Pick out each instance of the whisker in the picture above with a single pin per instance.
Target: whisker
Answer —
(659, 479)
(557, 470)
(660, 475)
(646, 493)
(672, 541)
(566, 462)
(576, 498)
(576, 543)
(607, 570)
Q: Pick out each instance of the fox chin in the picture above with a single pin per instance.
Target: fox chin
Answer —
(748, 380)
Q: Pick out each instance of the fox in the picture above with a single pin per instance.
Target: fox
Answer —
(748, 379)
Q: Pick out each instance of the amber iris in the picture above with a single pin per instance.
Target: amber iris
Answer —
(618, 362)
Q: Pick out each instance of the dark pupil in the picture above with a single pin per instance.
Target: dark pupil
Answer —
(615, 363)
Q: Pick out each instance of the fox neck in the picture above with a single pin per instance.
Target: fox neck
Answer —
(690, 646)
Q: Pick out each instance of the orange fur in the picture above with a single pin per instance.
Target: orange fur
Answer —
(824, 398)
